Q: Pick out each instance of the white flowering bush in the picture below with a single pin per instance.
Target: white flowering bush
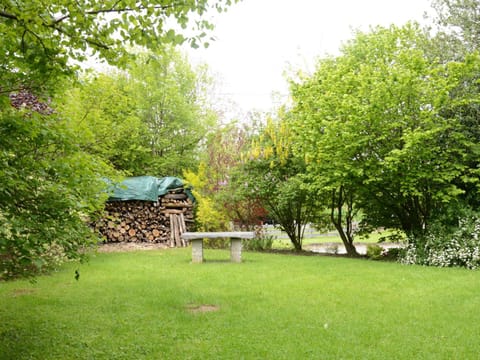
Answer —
(460, 248)
(409, 255)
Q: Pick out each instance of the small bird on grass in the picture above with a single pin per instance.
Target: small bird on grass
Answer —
(77, 274)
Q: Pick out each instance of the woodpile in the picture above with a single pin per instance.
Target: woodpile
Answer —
(162, 221)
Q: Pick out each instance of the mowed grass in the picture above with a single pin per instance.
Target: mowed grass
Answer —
(157, 305)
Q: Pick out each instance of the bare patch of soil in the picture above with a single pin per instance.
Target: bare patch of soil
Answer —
(22, 292)
(195, 309)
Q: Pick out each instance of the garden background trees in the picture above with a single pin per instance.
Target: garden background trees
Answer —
(457, 31)
(271, 177)
(372, 123)
(172, 103)
(148, 119)
(51, 172)
(457, 39)
(40, 37)
(102, 110)
(217, 206)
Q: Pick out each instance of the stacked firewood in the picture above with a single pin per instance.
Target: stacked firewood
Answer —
(162, 221)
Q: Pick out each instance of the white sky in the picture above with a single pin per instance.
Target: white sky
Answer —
(258, 40)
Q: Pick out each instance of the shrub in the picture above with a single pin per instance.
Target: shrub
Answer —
(460, 247)
(49, 188)
(392, 253)
(261, 241)
(209, 216)
(216, 243)
(374, 251)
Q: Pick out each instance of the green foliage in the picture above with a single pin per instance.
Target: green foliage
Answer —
(458, 27)
(273, 177)
(51, 166)
(147, 120)
(39, 37)
(393, 254)
(447, 246)
(102, 112)
(224, 147)
(261, 241)
(374, 251)
(171, 99)
(220, 156)
(208, 215)
(48, 189)
(371, 122)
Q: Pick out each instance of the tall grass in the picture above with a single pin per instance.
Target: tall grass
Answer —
(157, 305)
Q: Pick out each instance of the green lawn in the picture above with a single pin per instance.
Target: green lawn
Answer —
(144, 305)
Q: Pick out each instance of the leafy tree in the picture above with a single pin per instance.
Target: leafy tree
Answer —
(458, 27)
(39, 38)
(457, 41)
(272, 176)
(464, 108)
(224, 148)
(48, 190)
(369, 122)
(173, 107)
(102, 112)
(217, 206)
(149, 119)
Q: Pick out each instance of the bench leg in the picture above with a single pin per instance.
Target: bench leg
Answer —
(235, 250)
(197, 250)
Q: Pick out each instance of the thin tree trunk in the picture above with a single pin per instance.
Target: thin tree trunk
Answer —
(337, 204)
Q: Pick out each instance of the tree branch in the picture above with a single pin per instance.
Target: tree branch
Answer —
(7, 15)
(113, 10)
(54, 23)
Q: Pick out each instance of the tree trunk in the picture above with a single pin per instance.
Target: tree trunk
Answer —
(339, 200)
(294, 239)
(348, 243)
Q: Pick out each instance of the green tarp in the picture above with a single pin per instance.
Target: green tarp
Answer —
(147, 188)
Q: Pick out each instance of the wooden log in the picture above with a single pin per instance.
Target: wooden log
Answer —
(176, 206)
(172, 234)
(173, 211)
(179, 196)
(182, 223)
(183, 228)
(176, 228)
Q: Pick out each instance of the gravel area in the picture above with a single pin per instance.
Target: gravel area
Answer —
(338, 248)
(126, 246)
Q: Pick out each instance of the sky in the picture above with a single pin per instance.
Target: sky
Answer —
(259, 41)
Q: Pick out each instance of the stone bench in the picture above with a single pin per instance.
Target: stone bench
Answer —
(196, 239)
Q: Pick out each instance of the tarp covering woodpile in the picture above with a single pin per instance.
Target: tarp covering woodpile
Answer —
(147, 209)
